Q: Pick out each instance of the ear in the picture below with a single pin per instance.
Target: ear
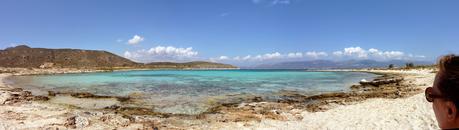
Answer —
(452, 111)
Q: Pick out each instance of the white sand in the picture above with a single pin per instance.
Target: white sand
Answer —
(404, 114)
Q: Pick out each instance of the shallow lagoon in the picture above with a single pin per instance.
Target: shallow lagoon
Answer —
(192, 91)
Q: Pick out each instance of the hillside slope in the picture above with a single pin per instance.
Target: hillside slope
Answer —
(26, 57)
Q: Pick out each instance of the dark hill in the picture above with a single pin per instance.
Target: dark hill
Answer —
(26, 57)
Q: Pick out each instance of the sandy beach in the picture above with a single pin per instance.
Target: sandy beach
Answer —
(412, 113)
(19, 110)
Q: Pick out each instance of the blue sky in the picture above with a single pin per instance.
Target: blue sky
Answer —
(237, 31)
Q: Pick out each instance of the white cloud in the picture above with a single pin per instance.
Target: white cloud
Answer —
(346, 53)
(416, 56)
(315, 55)
(393, 54)
(273, 56)
(352, 51)
(135, 40)
(295, 55)
(269, 56)
(237, 58)
(372, 53)
(247, 57)
(372, 50)
(223, 58)
(338, 53)
(162, 53)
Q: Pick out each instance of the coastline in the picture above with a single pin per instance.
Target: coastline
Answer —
(411, 112)
(253, 113)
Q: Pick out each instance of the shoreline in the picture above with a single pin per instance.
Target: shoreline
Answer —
(411, 112)
(252, 111)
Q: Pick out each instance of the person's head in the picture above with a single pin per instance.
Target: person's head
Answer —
(444, 94)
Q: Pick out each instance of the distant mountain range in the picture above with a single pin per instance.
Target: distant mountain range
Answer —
(26, 57)
(328, 64)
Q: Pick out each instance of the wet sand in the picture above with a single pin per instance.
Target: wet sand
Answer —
(383, 105)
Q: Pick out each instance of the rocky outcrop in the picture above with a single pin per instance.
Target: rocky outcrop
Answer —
(385, 86)
(16, 95)
(77, 122)
(87, 95)
(382, 80)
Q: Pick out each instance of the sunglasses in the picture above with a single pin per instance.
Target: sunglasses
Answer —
(430, 94)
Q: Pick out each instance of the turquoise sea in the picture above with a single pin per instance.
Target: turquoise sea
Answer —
(192, 91)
